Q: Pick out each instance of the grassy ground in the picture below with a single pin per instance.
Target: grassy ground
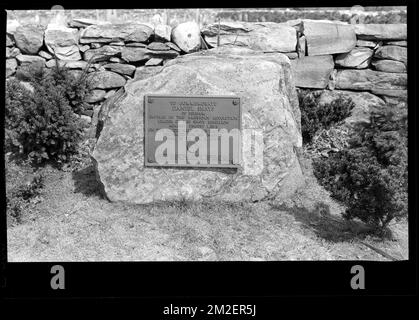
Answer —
(70, 221)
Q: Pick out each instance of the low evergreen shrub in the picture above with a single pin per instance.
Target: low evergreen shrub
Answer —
(370, 177)
(316, 116)
(20, 194)
(42, 124)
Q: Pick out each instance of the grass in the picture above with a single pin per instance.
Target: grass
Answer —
(73, 222)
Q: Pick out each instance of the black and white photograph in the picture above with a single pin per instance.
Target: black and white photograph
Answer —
(206, 134)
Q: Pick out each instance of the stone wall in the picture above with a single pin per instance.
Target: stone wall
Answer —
(365, 61)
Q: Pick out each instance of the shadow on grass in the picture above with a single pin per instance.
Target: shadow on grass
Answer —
(85, 182)
(327, 226)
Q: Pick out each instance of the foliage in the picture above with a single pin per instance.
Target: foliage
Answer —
(75, 86)
(283, 16)
(41, 124)
(19, 197)
(331, 140)
(316, 116)
(370, 177)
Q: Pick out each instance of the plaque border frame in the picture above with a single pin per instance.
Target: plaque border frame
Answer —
(156, 165)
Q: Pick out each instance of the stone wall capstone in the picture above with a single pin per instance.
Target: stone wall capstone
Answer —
(328, 38)
(266, 37)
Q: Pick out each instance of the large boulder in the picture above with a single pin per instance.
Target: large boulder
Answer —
(29, 38)
(62, 41)
(370, 80)
(364, 103)
(389, 66)
(358, 58)
(312, 72)
(328, 38)
(269, 106)
(187, 36)
(106, 107)
(267, 36)
(393, 53)
(105, 33)
(381, 31)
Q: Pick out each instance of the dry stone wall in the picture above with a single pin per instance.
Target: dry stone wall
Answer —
(365, 61)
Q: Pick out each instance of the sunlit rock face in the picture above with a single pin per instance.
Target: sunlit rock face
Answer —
(269, 104)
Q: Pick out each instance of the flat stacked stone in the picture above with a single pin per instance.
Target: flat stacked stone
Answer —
(328, 38)
(62, 42)
(107, 33)
(267, 36)
(29, 39)
(312, 71)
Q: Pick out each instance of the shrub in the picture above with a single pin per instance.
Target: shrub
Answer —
(31, 188)
(315, 116)
(370, 177)
(18, 197)
(42, 125)
(283, 16)
(75, 87)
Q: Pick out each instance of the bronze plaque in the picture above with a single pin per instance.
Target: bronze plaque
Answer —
(192, 131)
